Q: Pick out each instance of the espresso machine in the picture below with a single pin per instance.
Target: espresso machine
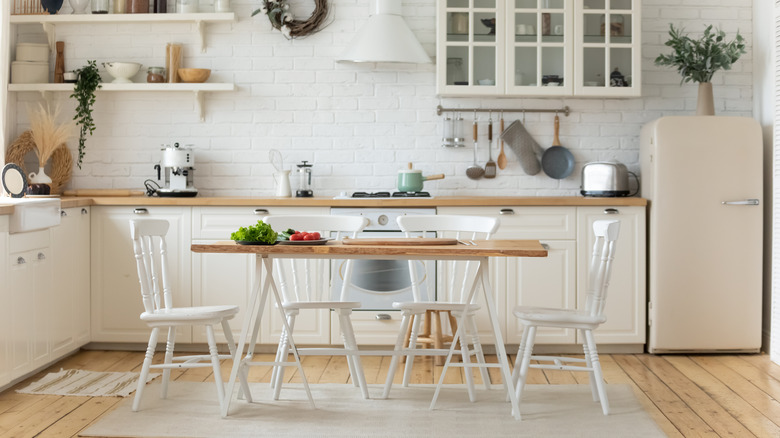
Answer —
(178, 163)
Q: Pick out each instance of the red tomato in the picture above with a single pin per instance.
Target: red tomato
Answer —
(296, 236)
(309, 237)
(316, 235)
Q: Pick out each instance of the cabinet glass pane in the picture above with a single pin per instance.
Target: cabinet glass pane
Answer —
(457, 65)
(525, 4)
(525, 66)
(552, 28)
(484, 27)
(621, 67)
(457, 3)
(616, 27)
(593, 67)
(621, 28)
(591, 29)
(552, 66)
(457, 26)
(485, 65)
(593, 4)
(620, 4)
(552, 4)
(525, 28)
(485, 4)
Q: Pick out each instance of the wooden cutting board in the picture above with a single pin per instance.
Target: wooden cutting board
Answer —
(103, 192)
(401, 241)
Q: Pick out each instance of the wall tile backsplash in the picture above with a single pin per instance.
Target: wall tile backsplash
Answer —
(357, 123)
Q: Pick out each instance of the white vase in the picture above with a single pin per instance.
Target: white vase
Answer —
(39, 178)
(79, 6)
(705, 105)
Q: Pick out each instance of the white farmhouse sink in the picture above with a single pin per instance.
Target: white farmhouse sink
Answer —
(32, 213)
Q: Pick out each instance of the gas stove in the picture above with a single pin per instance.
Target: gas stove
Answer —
(391, 195)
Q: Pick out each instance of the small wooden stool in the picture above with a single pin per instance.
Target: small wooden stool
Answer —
(431, 332)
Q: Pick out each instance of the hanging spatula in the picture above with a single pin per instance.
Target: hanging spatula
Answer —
(490, 166)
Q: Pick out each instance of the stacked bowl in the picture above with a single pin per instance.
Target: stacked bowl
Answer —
(31, 65)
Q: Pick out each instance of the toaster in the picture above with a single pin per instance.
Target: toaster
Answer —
(606, 179)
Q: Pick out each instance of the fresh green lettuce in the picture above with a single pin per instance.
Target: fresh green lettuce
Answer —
(262, 232)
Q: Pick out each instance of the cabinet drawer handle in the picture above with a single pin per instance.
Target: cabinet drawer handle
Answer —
(383, 316)
(611, 211)
(507, 211)
(41, 256)
(63, 213)
(84, 211)
(260, 211)
(21, 261)
(140, 211)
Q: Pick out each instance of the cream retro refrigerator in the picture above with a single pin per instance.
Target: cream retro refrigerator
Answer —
(703, 179)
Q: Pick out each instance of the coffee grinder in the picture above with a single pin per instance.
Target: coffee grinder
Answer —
(178, 163)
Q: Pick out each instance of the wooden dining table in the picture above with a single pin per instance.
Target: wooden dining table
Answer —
(479, 250)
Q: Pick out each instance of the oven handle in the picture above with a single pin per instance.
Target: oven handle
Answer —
(383, 317)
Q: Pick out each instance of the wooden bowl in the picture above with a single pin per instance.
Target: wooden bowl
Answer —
(194, 74)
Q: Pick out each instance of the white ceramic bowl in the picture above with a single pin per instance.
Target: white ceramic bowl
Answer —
(122, 71)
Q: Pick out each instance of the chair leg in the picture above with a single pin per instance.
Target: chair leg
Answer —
(399, 347)
(169, 346)
(435, 332)
(526, 361)
(285, 344)
(478, 351)
(278, 358)
(145, 368)
(347, 345)
(412, 347)
(597, 374)
(214, 353)
(589, 364)
(242, 375)
(465, 357)
(350, 344)
(519, 357)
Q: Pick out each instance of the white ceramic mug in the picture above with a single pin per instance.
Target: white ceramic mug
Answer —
(529, 30)
(521, 29)
(282, 181)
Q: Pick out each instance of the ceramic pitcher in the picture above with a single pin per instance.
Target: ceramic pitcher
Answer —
(282, 181)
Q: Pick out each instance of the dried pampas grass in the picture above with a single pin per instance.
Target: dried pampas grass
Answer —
(47, 134)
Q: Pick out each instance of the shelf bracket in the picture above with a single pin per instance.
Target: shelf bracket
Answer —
(51, 35)
(45, 94)
(202, 32)
(199, 107)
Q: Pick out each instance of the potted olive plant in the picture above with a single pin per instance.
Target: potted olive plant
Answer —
(698, 60)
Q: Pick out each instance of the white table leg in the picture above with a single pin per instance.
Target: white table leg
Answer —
(503, 360)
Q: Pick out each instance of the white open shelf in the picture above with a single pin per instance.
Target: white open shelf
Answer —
(198, 89)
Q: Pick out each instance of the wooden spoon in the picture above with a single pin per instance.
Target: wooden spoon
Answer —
(502, 155)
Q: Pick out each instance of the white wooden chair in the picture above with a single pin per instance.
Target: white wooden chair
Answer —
(585, 320)
(159, 312)
(305, 285)
(452, 290)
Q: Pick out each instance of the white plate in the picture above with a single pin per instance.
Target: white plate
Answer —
(305, 242)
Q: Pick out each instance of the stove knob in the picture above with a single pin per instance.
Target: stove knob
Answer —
(382, 219)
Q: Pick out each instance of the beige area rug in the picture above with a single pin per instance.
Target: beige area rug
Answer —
(548, 410)
(86, 383)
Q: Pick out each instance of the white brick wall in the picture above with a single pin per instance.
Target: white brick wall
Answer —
(357, 123)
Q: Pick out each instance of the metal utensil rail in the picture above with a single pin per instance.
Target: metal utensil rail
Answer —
(565, 110)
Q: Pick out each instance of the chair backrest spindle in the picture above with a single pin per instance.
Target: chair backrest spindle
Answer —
(151, 254)
(600, 270)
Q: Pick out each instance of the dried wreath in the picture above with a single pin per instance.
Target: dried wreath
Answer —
(278, 12)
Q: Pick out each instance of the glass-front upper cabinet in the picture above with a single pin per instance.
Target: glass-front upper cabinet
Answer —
(607, 57)
(470, 47)
(538, 48)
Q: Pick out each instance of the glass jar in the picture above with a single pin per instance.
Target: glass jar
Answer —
(160, 6)
(155, 75)
(100, 6)
(120, 6)
(186, 6)
(138, 6)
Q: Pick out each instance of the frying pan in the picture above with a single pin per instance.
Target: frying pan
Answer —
(557, 161)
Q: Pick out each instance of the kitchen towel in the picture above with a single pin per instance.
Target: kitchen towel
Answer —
(191, 410)
(524, 146)
(86, 384)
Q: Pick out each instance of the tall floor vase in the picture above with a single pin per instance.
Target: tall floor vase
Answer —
(705, 106)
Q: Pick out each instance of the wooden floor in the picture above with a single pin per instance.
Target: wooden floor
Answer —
(702, 395)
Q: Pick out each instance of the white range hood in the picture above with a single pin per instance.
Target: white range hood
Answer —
(385, 38)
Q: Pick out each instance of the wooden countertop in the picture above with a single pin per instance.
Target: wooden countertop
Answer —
(440, 201)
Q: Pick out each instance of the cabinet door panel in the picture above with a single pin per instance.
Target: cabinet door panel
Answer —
(116, 297)
(5, 311)
(22, 306)
(543, 282)
(626, 296)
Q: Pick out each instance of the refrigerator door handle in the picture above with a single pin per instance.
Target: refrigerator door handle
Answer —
(742, 202)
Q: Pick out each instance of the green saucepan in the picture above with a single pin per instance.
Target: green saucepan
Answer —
(411, 180)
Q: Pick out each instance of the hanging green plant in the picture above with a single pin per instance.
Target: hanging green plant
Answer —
(87, 81)
(698, 60)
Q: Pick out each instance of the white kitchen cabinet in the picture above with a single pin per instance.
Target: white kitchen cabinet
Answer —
(29, 302)
(5, 311)
(70, 321)
(228, 278)
(116, 295)
(538, 48)
(626, 296)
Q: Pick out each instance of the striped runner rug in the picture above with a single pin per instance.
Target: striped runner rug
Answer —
(86, 383)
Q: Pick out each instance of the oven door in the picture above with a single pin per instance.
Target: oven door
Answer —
(376, 284)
